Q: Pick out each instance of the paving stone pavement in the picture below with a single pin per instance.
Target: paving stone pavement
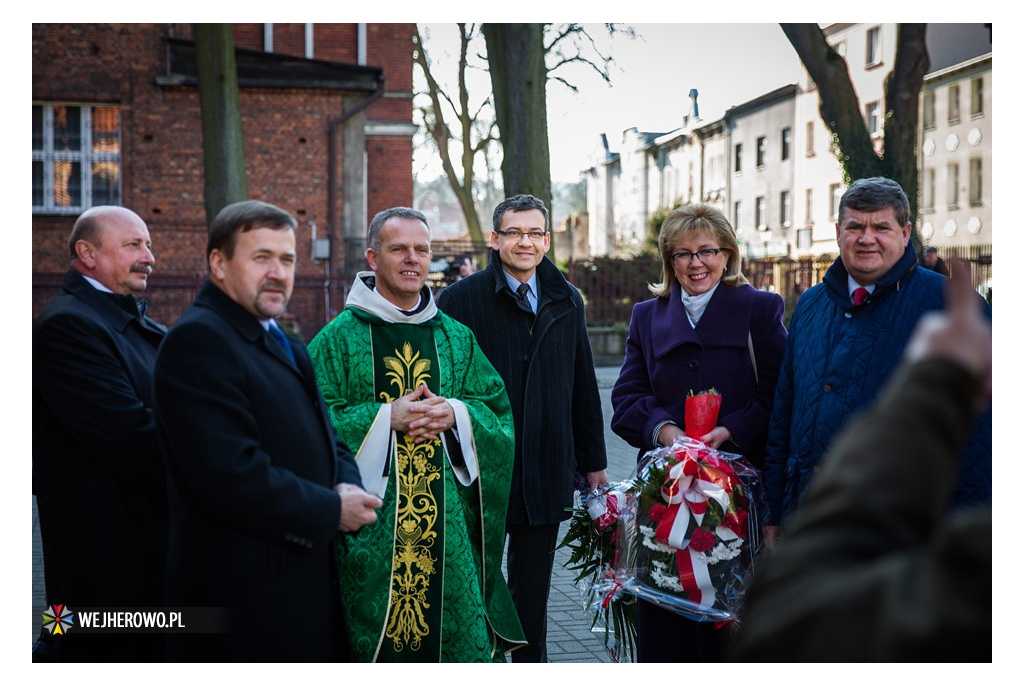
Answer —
(569, 637)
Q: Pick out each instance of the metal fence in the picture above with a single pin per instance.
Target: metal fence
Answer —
(611, 287)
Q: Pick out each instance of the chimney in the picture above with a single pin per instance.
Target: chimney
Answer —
(693, 107)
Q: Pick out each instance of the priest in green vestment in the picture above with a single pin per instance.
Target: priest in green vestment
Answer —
(411, 387)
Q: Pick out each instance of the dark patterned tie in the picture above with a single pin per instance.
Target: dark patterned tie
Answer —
(859, 295)
(521, 294)
(278, 335)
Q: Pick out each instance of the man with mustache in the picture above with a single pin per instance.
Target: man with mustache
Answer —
(96, 471)
(259, 483)
(410, 386)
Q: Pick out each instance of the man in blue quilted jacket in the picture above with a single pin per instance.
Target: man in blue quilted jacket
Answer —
(846, 336)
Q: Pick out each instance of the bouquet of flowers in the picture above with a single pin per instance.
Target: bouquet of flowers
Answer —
(691, 538)
(701, 412)
(592, 539)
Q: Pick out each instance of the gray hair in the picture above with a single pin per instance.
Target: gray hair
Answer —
(373, 232)
(874, 194)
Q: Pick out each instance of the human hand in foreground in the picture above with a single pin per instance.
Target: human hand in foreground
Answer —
(960, 333)
(595, 479)
(668, 434)
(358, 507)
(716, 437)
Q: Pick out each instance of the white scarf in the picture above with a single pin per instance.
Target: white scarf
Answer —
(696, 304)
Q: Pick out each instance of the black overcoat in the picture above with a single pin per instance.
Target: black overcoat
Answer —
(251, 461)
(548, 369)
(96, 469)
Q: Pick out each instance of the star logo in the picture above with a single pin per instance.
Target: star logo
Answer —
(58, 619)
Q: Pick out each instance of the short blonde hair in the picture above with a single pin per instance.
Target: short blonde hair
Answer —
(691, 219)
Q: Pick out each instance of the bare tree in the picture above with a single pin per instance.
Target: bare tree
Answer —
(473, 132)
(840, 107)
(522, 58)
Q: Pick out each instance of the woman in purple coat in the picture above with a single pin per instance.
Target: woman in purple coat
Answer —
(707, 328)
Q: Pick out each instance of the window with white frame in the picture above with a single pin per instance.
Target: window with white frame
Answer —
(810, 139)
(928, 111)
(803, 239)
(809, 206)
(835, 192)
(873, 117)
(738, 160)
(76, 157)
(762, 150)
(785, 208)
(953, 185)
(928, 190)
(977, 93)
(737, 215)
(786, 142)
(974, 187)
(760, 213)
(953, 104)
(873, 47)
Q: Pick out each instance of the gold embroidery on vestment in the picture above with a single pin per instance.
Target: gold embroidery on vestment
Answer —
(415, 535)
(406, 371)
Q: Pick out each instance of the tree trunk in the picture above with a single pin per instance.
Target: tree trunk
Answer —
(840, 107)
(223, 144)
(902, 92)
(515, 55)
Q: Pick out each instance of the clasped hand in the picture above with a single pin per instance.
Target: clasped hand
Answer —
(422, 415)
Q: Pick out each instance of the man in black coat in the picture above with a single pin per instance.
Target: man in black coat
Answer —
(96, 469)
(531, 324)
(259, 482)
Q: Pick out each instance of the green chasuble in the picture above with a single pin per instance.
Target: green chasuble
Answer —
(423, 583)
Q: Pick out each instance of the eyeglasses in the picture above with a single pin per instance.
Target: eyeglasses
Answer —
(701, 255)
(515, 236)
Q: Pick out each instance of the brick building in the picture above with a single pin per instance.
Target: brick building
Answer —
(327, 123)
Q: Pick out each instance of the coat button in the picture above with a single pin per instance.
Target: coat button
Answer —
(692, 366)
(827, 388)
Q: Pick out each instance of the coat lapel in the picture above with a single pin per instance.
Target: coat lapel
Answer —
(670, 327)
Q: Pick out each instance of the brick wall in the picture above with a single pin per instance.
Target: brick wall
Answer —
(286, 145)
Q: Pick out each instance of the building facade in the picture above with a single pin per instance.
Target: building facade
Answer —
(769, 164)
(326, 117)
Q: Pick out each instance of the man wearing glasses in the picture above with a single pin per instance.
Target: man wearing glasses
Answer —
(531, 324)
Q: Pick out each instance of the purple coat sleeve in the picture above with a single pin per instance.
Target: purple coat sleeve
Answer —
(636, 410)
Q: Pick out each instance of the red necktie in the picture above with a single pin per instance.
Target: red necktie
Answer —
(859, 295)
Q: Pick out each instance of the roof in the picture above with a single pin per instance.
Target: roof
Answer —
(258, 69)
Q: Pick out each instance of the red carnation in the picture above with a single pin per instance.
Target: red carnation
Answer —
(657, 512)
(737, 522)
(701, 540)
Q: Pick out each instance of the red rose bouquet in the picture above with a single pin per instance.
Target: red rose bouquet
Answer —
(691, 540)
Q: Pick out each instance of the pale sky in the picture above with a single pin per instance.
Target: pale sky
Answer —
(652, 76)
(728, 64)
